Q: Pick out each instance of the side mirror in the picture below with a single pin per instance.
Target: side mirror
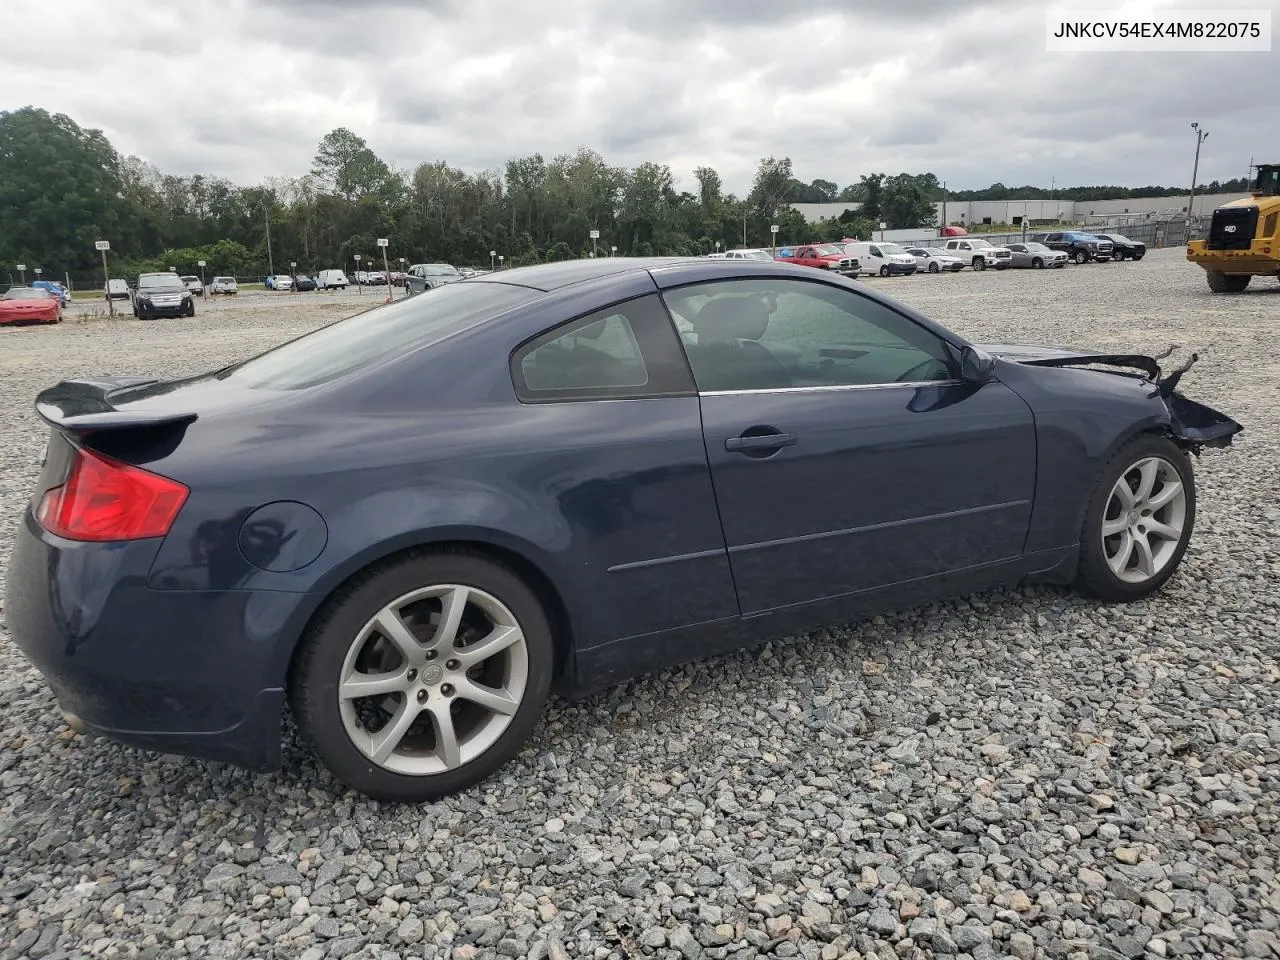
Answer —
(976, 366)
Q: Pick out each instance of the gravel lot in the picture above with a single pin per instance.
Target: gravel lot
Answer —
(1021, 773)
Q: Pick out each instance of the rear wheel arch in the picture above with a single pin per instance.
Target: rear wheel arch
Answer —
(517, 561)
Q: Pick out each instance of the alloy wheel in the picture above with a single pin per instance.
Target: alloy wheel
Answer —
(1144, 520)
(433, 679)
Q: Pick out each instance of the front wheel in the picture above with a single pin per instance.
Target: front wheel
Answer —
(424, 676)
(1220, 282)
(1038, 263)
(1081, 257)
(979, 263)
(933, 268)
(884, 271)
(1138, 521)
(1117, 254)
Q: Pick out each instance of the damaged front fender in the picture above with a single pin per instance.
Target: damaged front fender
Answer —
(1191, 424)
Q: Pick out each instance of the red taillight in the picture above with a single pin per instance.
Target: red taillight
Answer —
(104, 499)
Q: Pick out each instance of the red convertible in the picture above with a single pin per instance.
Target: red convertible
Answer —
(29, 305)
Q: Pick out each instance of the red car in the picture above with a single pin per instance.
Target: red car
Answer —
(29, 305)
(823, 256)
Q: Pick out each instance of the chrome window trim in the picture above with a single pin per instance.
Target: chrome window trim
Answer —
(912, 384)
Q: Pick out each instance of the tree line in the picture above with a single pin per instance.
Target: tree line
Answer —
(63, 186)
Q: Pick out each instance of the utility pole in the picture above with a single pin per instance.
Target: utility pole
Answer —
(266, 216)
(944, 207)
(1201, 137)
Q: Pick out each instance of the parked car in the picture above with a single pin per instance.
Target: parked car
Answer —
(55, 289)
(747, 253)
(821, 256)
(302, 282)
(1123, 248)
(195, 285)
(1080, 247)
(331, 280)
(440, 514)
(223, 285)
(162, 295)
(117, 289)
(979, 254)
(280, 281)
(29, 305)
(881, 259)
(1036, 255)
(934, 260)
(376, 278)
(428, 276)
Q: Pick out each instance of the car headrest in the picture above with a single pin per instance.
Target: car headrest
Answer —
(732, 318)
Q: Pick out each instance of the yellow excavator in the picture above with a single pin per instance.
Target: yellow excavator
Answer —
(1244, 236)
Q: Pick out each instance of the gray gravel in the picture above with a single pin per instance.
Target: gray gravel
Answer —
(1020, 773)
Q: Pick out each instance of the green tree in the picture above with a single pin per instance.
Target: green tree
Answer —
(60, 190)
(345, 164)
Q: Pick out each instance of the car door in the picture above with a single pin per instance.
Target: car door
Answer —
(845, 454)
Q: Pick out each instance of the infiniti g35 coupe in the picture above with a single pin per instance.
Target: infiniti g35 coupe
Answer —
(412, 525)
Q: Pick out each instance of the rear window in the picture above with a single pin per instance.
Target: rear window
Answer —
(347, 346)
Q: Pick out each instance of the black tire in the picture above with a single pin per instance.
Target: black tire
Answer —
(979, 263)
(884, 271)
(1038, 263)
(317, 664)
(1081, 257)
(1220, 282)
(1094, 576)
(1117, 254)
(933, 268)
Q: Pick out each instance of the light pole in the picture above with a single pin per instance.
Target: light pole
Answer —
(1201, 137)
(22, 272)
(204, 290)
(717, 246)
(359, 285)
(386, 268)
(613, 251)
(500, 259)
(404, 280)
(595, 235)
(103, 246)
(492, 254)
(293, 275)
(773, 240)
(38, 271)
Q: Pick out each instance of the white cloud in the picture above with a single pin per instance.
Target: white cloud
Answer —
(965, 89)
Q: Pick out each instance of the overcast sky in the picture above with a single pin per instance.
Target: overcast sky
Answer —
(246, 88)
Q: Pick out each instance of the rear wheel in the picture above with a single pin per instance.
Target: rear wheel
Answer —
(1220, 282)
(424, 676)
(1138, 521)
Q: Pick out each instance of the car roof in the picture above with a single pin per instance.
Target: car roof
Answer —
(553, 276)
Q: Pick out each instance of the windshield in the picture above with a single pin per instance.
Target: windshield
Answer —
(26, 293)
(828, 250)
(891, 248)
(348, 345)
(1035, 248)
(1268, 183)
(754, 255)
(160, 282)
(224, 280)
(979, 244)
(1115, 238)
(441, 270)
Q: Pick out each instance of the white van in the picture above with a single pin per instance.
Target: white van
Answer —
(883, 259)
(331, 280)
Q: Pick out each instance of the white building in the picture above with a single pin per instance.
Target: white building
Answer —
(1065, 211)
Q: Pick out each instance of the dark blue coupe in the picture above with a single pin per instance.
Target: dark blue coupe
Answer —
(413, 524)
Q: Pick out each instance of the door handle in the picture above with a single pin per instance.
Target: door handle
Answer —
(768, 441)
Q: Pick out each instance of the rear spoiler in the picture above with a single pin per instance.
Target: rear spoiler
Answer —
(84, 406)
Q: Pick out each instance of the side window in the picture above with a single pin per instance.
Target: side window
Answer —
(875, 251)
(963, 245)
(628, 351)
(780, 334)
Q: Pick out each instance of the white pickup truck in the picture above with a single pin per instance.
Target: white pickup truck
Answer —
(980, 253)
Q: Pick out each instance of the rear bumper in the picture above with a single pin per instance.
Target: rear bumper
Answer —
(197, 673)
